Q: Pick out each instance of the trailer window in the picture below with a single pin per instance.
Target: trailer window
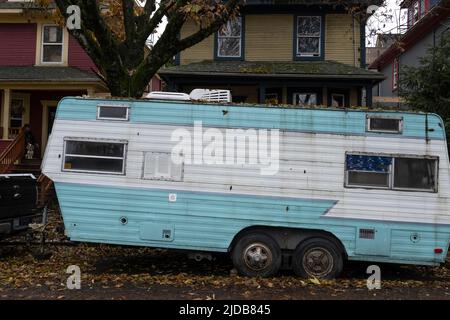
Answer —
(159, 166)
(412, 173)
(112, 112)
(93, 156)
(391, 172)
(370, 171)
(386, 125)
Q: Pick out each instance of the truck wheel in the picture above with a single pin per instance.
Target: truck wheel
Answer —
(317, 258)
(257, 255)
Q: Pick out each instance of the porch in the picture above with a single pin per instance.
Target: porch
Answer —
(321, 83)
(29, 96)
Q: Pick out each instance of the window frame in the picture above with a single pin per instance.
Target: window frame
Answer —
(294, 98)
(170, 178)
(98, 140)
(344, 100)
(217, 38)
(400, 125)
(320, 56)
(51, 44)
(391, 172)
(127, 118)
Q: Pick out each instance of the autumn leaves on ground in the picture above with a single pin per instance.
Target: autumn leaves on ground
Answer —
(113, 272)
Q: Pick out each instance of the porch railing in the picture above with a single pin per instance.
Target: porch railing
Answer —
(13, 153)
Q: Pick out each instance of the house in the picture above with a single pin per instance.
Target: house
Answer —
(40, 63)
(279, 51)
(428, 21)
(384, 41)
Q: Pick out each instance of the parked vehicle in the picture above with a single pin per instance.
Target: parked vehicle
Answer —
(350, 185)
(18, 199)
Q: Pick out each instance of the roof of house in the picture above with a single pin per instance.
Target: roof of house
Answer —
(384, 40)
(45, 74)
(290, 69)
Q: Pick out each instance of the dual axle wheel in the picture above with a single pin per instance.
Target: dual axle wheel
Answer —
(258, 255)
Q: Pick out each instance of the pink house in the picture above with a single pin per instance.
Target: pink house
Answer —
(40, 63)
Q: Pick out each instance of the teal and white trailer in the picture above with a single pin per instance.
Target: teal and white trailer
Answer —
(347, 184)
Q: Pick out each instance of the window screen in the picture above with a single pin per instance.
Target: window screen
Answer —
(389, 125)
(159, 166)
(112, 112)
(410, 173)
(93, 156)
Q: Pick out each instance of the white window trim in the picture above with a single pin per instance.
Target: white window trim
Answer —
(125, 151)
(294, 98)
(308, 55)
(338, 95)
(40, 47)
(219, 37)
(400, 125)
(391, 172)
(127, 117)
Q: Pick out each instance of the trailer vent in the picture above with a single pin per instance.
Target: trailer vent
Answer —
(206, 95)
(367, 233)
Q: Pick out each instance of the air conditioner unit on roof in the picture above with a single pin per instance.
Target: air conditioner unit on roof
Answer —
(160, 95)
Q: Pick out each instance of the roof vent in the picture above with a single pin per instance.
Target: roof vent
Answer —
(159, 95)
(211, 95)
(223, 96)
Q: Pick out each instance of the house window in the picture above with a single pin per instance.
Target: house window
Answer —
(337, 100)
(271, 98)
(309, 30)
(94, 156)
(386, 125)
(391, 172)
(112, 112)
(229, 39)
(305, 98)
(159, 166)
(52, 44)
(16, 113)
(395, 77)
(416, 12)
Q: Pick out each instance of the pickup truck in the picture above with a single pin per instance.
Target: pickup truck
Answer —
(18, 199)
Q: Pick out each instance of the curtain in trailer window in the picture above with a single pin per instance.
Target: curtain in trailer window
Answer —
(368, 163)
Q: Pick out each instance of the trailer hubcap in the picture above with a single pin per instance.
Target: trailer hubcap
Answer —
(317, 262)
(257, 256)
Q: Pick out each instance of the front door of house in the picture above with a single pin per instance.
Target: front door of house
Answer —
(48, 119)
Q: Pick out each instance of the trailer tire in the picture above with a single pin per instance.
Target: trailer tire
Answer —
(256, 255)
(317, 258)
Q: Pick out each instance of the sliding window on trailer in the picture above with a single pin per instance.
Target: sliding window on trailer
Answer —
(88, 155)
(393, 172)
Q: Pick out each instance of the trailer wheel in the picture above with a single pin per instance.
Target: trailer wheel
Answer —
(256, 255)
(317, 258)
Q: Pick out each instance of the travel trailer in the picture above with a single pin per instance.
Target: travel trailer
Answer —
(300, 188)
